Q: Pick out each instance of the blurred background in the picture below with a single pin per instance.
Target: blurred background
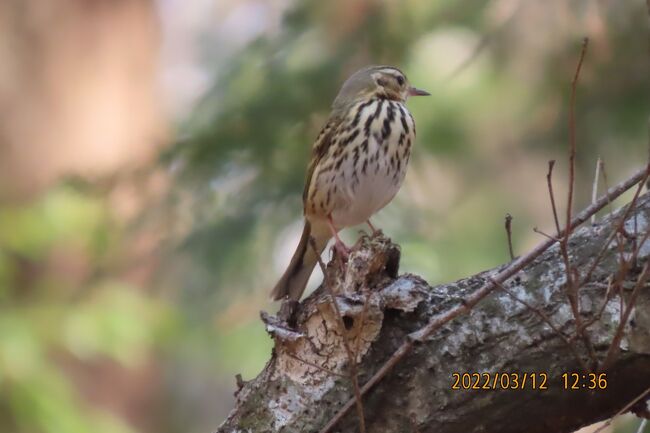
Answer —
(152, 155)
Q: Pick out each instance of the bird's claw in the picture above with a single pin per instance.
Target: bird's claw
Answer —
(342, 250)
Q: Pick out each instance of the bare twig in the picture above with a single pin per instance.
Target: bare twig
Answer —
(594, 188)
(572, 133)
(605, 182)
(352, 361)
(572, 286)
(614, 348)
(546, 235)
(508, 226)
(549, 182)
(624, 409)
(617, 228)
(439, 320)
(240, 383)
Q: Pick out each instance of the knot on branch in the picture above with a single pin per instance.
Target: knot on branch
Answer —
(373, 262)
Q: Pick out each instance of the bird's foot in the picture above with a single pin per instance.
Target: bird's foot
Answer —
(375, 231)
(342, 250)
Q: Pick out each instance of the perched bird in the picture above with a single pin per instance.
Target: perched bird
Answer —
(357, 166)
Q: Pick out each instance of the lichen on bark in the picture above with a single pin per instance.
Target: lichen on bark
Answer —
(305, 381)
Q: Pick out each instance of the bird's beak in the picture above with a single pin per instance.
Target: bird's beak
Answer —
(414, 91)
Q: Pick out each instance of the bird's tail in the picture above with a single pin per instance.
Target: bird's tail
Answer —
(294, 280)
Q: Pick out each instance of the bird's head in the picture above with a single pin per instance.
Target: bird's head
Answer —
(376, 81)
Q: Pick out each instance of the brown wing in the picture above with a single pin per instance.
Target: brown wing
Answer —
(321, 145)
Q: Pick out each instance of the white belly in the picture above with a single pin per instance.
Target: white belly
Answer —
(367, 193)
(363, 175)
(372, 194)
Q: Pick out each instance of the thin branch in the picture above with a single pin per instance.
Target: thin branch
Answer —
(572, 288)
(240, 383)
(439, 320)
(617, 228)
(606, 183)
(625, 408)
(508, 226)
(572, 134)
(352, 361)
(614, 348)
(549, 182)
(546, 235)
(594, 188)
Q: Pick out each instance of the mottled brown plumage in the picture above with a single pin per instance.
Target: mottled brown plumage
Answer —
(358, 163)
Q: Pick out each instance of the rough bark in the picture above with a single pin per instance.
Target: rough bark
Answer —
(499, 335)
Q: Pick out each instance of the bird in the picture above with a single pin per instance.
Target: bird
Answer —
(358, 164)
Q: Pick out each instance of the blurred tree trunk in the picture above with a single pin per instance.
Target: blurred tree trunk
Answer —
(78, 91)
(500, 335)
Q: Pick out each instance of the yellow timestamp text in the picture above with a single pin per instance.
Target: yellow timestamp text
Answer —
(491, 381)
(591, 381)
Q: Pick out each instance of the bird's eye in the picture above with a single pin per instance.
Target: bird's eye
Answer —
(400, 80)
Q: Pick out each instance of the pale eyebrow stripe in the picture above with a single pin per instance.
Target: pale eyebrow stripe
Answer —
(393, 72)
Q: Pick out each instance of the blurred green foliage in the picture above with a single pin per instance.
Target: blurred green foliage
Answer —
(43, 315)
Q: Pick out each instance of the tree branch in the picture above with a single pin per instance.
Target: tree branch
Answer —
(408, 354)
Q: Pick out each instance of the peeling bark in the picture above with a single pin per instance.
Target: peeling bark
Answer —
(305, 382)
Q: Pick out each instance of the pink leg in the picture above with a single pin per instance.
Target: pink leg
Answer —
(339, 245)
(374, 230)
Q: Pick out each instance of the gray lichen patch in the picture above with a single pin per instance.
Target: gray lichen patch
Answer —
(640, 322)
(402, 294)
(636, 223)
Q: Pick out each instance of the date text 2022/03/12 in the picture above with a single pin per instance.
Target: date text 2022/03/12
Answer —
(572, 381)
